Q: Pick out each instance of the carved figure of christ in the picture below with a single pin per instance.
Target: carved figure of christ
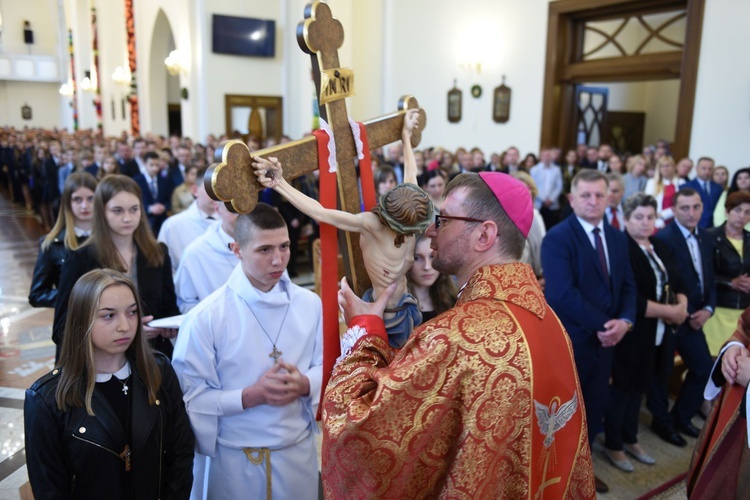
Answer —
(384, 261)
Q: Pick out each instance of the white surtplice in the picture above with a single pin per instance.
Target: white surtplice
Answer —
(180, 230)
(220, 350)
(206, 265)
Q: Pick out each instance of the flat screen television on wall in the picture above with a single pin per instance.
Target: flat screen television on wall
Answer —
(243, 36)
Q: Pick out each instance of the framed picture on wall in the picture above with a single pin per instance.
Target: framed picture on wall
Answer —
(501, 103)
(26, 112)
(455, 98)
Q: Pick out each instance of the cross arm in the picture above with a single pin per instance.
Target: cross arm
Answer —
(387, 128)
(231, 178)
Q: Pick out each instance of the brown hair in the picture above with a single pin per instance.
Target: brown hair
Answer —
(103, 248)
(65, 219)
(408, 206)
(480, 203)
(736, 199)
(77, 367)
(588, 175)
(443, 292)
(101, 174)
(382, 173)
(636, 201)
(263, 217)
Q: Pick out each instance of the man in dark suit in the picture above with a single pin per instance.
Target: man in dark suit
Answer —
(156, 192)
(591, 159)
(693, 254)
(175, 171)
(590, 285)
(709, 191)
(128, 166)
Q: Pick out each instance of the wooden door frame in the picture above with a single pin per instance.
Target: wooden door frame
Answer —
(562, 72)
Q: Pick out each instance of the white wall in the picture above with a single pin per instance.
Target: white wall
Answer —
(660, 101)
(49, 109)
(41, 97)
(152, 42)
(424, 44)
(721, 119)
(229, 74)
(42, 14)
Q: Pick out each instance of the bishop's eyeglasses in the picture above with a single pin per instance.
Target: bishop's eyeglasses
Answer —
(439, 223)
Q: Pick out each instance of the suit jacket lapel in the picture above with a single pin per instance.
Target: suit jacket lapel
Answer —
(683, 245)
(585, 242)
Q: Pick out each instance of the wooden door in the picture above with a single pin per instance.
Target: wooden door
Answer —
(623, 130)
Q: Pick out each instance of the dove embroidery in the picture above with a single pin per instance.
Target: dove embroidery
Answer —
(551, 419)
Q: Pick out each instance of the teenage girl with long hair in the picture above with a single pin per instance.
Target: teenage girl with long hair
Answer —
(436, 292)
(74, 223)
(109, 420)
(122, 240)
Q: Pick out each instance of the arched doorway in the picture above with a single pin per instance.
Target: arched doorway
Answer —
(164, 89)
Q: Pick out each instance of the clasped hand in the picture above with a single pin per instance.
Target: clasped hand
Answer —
(615, 330)
(735, 365)
(742, 283)
(282, 384)
(677, 314)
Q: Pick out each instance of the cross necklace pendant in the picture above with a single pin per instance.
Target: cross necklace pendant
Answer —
(276, 353)
(124, 385)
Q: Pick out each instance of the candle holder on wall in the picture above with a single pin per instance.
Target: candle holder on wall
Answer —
(455, 101)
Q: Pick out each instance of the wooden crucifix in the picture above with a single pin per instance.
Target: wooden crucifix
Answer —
(232, 180)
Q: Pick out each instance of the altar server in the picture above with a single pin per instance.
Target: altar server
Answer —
(182, 229)
(207, 262)
(249, 360)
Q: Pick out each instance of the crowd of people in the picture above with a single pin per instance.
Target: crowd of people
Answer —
(638, 258)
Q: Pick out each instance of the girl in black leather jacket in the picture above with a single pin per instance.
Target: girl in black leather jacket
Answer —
(74, 222)
(109, 421)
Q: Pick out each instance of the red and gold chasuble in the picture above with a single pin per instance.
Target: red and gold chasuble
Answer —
(482, 402)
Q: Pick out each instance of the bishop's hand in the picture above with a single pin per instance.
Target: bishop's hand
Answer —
(268, 171)
(352, 306)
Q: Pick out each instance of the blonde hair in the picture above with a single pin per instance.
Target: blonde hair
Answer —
(658, 180)
(65, 219)
(77, 367)
(633, 161)
(528, 180)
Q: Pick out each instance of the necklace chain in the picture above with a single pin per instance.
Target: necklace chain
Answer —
(124, 384)
(275, 354)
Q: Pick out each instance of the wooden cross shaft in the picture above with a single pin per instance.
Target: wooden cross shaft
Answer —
(232, 179)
